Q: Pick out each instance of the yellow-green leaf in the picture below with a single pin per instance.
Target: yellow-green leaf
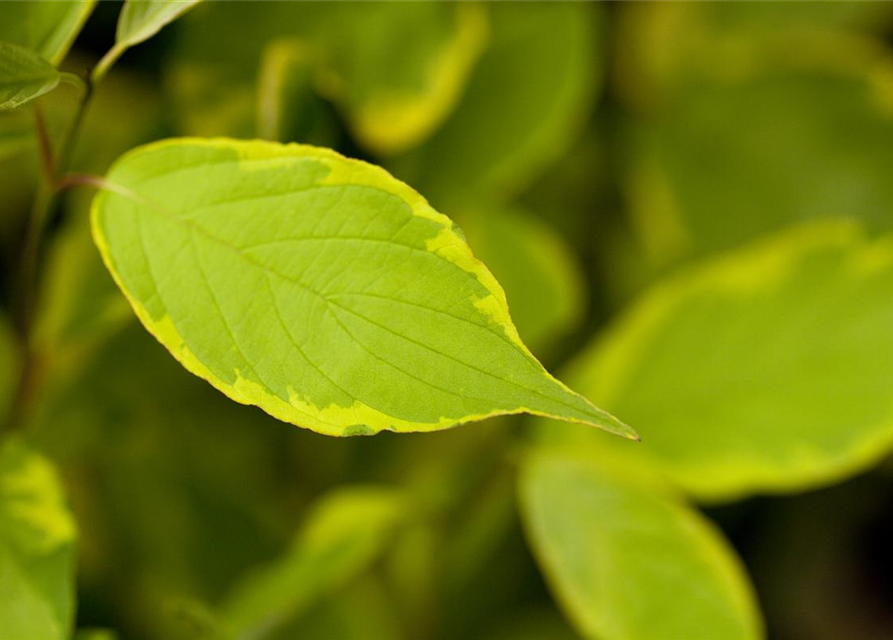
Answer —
(528, 96)
(37, 536)
(626, 560)
(318, 288)
(24, 76)
(765, 370)
(394, 70)
(726, 163)
(398, 69)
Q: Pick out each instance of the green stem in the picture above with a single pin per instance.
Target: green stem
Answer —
(48, 171)
(45, 200)
(63, 160)
(102, 67)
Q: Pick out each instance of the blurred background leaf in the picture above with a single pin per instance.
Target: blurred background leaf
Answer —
(37, 536)
(627, 561)
(340, 538)
(528, 95)
(758, 371)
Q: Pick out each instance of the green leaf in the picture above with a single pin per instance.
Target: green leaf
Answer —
(526, 100)
(398, 69)
(49, 28)
(662, 47)
(394, 70)
(318, 288)
(142, 19)
(343, 535)
(626, 561)
(24, 76)
(37, 536)
(139, 21)
(724, 164)
(543, 280)
(765, 370)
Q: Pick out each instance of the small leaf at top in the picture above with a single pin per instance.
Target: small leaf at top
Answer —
(318, 288)
(24, 76)
(142, 19)
(139, 21)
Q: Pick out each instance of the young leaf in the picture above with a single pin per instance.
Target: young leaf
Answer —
(48, 28)
(142, 19)
(139, 21)
(24, 76)
(36, 548)
(765, 370)
(318, 288)
(344, 534)
(627, 561)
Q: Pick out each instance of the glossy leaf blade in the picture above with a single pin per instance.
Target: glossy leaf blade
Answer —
(37, 535)
(627, 561)
(765, 370)
(342, 536)
(318, 288)
(48, 28)
(24, 76)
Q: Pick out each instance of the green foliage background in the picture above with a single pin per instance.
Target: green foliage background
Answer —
(689, 206)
